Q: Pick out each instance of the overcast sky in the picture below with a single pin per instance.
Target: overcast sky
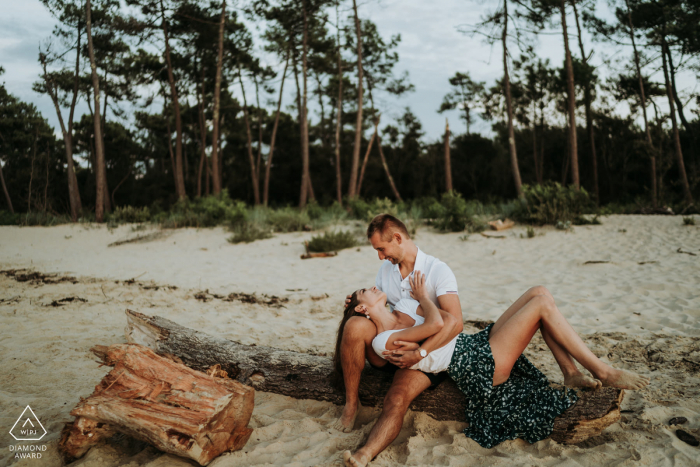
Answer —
(432, 49)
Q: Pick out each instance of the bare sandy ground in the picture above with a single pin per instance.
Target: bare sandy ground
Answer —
(642, 317)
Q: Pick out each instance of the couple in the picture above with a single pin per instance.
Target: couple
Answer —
(420, 339)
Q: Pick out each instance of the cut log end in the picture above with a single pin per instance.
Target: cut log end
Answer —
(155, 399)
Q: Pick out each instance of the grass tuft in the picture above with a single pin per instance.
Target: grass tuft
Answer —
(332, 241)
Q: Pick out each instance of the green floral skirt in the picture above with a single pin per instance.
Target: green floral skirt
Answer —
(524, 406)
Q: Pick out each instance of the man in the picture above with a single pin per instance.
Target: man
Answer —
(401, 257)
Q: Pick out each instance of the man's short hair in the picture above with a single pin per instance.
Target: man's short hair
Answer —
(384, 223)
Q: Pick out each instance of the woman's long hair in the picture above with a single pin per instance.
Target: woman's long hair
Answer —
(349, 312)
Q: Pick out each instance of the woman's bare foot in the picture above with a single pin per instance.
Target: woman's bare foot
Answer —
(357, 460)
(579, 380)
(347, 420)
(623, 379)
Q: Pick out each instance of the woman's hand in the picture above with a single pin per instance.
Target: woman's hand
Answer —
(418, 289)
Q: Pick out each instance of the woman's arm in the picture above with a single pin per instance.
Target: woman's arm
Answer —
(433, 319)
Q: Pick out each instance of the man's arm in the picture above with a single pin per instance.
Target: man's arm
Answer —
(451, 312)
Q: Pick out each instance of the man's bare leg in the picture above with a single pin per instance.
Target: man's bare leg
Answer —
(357, 339)
(407, 385)
(573, 377)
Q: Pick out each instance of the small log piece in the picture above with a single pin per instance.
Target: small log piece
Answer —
(304, 376)
(155, 399)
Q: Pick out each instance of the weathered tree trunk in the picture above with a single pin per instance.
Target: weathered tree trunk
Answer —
(364, 162)
(352, 187)
(99, 142)
(642, 98)
(338, 121)
(216, 179)
(179, 179)
(386, 167)
(304, 123)
(268, 165)
(148, 397)
(249, 141)
(676, 136)
(31, 172)
(681, 113)
(448, 159)
(202, 136)
(509, 105)
(305, 376)
(7, 193)
(107, 201)
(572, 100)
(258, 159)
(589, 114)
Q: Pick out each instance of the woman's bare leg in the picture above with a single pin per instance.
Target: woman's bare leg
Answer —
(572, 375)
(513, 336)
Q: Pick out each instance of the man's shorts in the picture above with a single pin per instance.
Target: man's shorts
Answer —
(435, 378)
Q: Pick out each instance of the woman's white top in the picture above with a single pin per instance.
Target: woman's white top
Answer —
(438, 360)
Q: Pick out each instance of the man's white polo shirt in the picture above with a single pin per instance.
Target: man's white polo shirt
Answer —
(439, 279)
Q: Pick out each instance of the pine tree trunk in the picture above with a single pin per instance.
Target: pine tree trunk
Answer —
(304, 123)
(179, 179)
(107, 202)
(448, 159)
(364, 162)
(249, 141)
(572, 100)
(642, 98)
(385, 165)
(339, 117)
(217, 101)
(676, 136)
(589, 114)
(99, 147)
(352, 188)
(681, 114)
(203, 138)
(509, 105)
(268, 166)
(7, 193)
(258, 159)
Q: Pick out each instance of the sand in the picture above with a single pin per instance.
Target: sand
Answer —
(642, 317)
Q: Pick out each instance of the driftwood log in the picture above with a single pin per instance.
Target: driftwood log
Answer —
(304, 376)
(155, 399)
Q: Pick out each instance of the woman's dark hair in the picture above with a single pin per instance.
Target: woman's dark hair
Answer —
(349, 312)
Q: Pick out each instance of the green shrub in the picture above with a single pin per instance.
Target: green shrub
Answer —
(130, 215)
(332, 241)
(552, 203)
(458, 215)
(8, 218)
(288, 220)
(688, 220)
(42, 218)
(248, 232)
(208, 211)
(530, 232)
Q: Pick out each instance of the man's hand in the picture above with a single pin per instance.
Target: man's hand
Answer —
(402, 358)
(403, 345)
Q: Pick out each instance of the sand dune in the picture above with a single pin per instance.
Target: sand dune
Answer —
(642, 317)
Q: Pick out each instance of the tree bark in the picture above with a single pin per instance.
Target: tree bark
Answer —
(572, 100)
(304, 123)
(31, 172)
(352, 188)
(364, 162)
(107, 201)
(305, 376)
(216, 179)
(249, 142)
(385, 165)
(7, 193)
(338, 122)
(448, 159)
(99, 142)
(681, 114)
(676, 136)
(155, 399)
(642, 98)
(268, 166)
(258, 160)
(179, 179)
(589, 115)
(509, 105)
(203, 139)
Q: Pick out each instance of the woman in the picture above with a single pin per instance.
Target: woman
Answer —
(507, 396)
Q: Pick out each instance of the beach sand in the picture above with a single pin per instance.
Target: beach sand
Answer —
(639, 310)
